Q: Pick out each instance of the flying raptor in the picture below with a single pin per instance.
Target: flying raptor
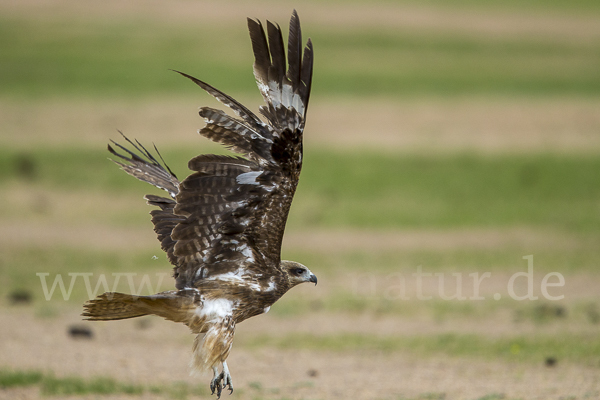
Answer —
(223, 225)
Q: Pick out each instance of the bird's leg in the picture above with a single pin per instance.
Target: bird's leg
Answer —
(227, 378)
(215, 383)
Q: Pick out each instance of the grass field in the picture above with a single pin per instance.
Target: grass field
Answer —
(446, 141)
(125, 58)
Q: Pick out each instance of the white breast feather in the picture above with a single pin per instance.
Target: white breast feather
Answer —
(215, 309)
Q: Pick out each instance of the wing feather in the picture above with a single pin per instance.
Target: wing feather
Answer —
(239, 109)
(277, 67)
(239, 137)
(306, 74)
(148, 169)
(295, 50)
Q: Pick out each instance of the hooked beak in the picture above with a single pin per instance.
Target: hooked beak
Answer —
(313, 278)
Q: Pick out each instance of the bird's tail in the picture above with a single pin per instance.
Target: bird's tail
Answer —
(112, 306)
(172, 305)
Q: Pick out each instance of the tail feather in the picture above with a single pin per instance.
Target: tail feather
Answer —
(172, 305)
(113, 306)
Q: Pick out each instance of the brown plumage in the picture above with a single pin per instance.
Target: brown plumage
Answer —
(223, 225)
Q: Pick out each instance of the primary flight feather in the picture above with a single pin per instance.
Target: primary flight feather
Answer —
(222, 227)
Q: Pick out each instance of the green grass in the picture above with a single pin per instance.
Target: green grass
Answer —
(71, 386)
(368, 190)
(11, 378)
(401, 64)
(372, 190)
(574, 348)
(131, 58)
(50, 385)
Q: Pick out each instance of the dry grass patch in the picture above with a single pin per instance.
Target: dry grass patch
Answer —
(456, 18)
(482, 125)
(55, 208)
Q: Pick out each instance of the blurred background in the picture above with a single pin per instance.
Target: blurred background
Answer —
(445, 142)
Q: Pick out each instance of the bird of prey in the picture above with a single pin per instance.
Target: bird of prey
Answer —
(223, 225)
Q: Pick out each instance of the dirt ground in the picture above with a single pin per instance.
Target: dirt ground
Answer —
(160, 353)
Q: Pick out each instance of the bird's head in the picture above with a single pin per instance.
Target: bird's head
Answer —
(297, 273)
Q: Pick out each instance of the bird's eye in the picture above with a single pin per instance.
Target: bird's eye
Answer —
(298, 271)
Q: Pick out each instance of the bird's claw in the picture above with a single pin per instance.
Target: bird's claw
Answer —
(215, 384)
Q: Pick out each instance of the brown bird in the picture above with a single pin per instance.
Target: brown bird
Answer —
(223, 225)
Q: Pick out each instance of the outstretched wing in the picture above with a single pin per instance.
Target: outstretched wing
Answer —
(228, 217)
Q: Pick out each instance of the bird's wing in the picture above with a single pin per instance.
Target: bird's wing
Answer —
(228, 217)
(237, 208)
